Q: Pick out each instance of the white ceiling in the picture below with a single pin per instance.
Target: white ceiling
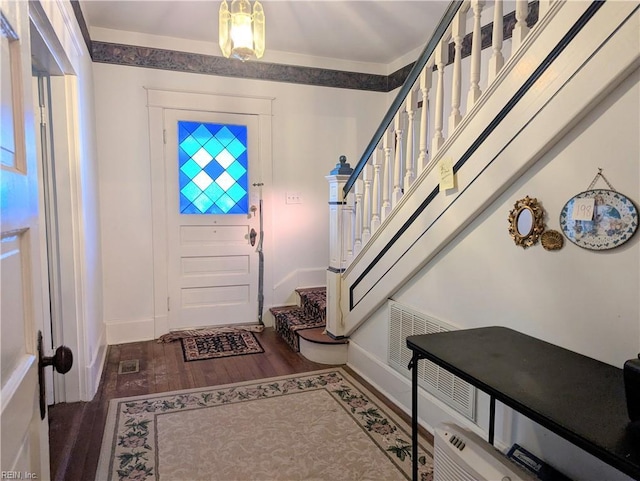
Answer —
(353, 30)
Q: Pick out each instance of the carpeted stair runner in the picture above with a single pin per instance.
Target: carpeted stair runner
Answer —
(311, 313)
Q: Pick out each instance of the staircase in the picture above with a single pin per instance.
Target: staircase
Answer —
(463, 128)
(302, 327)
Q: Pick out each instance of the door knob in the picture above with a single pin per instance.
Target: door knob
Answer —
(252, 237)
(62, 361)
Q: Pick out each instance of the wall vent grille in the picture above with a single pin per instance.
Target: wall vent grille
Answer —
(403, 322)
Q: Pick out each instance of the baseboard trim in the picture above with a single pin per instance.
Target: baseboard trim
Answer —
(119, 332)
(93, 371)
(396, 388)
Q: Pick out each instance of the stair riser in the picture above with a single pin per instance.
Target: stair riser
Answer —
(290, 337)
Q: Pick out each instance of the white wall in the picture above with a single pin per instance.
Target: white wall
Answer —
(583, 300)
(312, 127)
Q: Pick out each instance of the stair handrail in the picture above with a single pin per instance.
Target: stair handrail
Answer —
(414, 73)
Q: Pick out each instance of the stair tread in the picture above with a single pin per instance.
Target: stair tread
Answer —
(297, 318)
(318, 335)
(311, 289)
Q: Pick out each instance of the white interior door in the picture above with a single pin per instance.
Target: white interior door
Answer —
(212, 161)
(25, 449)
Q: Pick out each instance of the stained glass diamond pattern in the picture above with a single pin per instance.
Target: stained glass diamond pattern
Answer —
(236, 170)
(236, 148)
(225, 136)
(190, 145)
(190, 169)
(202, 180)
(202, 157)
(213, 167)
(202, 134)
(225, 181)
(225, 158)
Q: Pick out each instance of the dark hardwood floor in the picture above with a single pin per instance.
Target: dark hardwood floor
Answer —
(76, 429)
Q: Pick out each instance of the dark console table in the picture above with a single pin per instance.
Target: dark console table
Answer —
(577, 397)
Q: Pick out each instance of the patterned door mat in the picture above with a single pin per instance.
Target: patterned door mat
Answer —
(220, 345)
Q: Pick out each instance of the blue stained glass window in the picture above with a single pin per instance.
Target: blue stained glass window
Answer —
(212, 163)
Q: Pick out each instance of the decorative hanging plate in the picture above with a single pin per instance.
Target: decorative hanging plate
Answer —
(615, 220)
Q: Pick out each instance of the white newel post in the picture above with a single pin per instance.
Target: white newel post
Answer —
(340, 240)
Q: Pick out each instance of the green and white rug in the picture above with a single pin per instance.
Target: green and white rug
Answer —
(321, 425)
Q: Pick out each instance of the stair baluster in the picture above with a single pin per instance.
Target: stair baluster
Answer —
(396, 195)
(457, 34)
(409, 169)
(387, 142)
(497, 59)
(521, 29)
(425, 87)
(441, 60)
(375, 193)
(476, 50)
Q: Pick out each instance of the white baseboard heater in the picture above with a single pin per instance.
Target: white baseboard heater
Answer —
(461, 455)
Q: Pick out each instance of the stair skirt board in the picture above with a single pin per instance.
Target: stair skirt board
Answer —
(324, 353)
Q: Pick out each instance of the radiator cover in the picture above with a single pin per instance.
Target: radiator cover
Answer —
(461, 455)
(405, 321)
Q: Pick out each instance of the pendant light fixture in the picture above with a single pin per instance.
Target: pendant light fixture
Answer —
(241, 29)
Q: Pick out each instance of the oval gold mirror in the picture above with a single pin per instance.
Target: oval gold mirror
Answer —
(526, 222)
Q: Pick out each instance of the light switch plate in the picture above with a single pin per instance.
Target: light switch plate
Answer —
(293, 198)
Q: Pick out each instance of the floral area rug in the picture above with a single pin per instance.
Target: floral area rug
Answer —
(220, 345)
(321, 425)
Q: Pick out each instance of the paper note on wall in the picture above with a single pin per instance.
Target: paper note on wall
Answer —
(583, 209)
(447, 178)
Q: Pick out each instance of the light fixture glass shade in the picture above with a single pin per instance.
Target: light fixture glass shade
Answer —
(241, 29)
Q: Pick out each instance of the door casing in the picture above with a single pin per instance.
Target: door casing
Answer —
(158, 101)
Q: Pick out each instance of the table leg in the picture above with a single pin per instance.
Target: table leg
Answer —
(492, 418)
(413, 366)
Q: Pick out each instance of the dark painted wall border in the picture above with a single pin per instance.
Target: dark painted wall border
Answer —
(135, 56)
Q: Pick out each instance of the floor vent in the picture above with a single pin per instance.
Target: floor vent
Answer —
(403, 322)
(129, 367)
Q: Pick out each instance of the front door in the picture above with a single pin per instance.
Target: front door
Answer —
(212, 216)
(25, 449)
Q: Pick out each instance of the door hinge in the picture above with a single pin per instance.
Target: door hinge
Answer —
(168, 304)
(43, 115)
(164, 136)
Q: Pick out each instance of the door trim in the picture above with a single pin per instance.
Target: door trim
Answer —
(59, 44)
(157, 102)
